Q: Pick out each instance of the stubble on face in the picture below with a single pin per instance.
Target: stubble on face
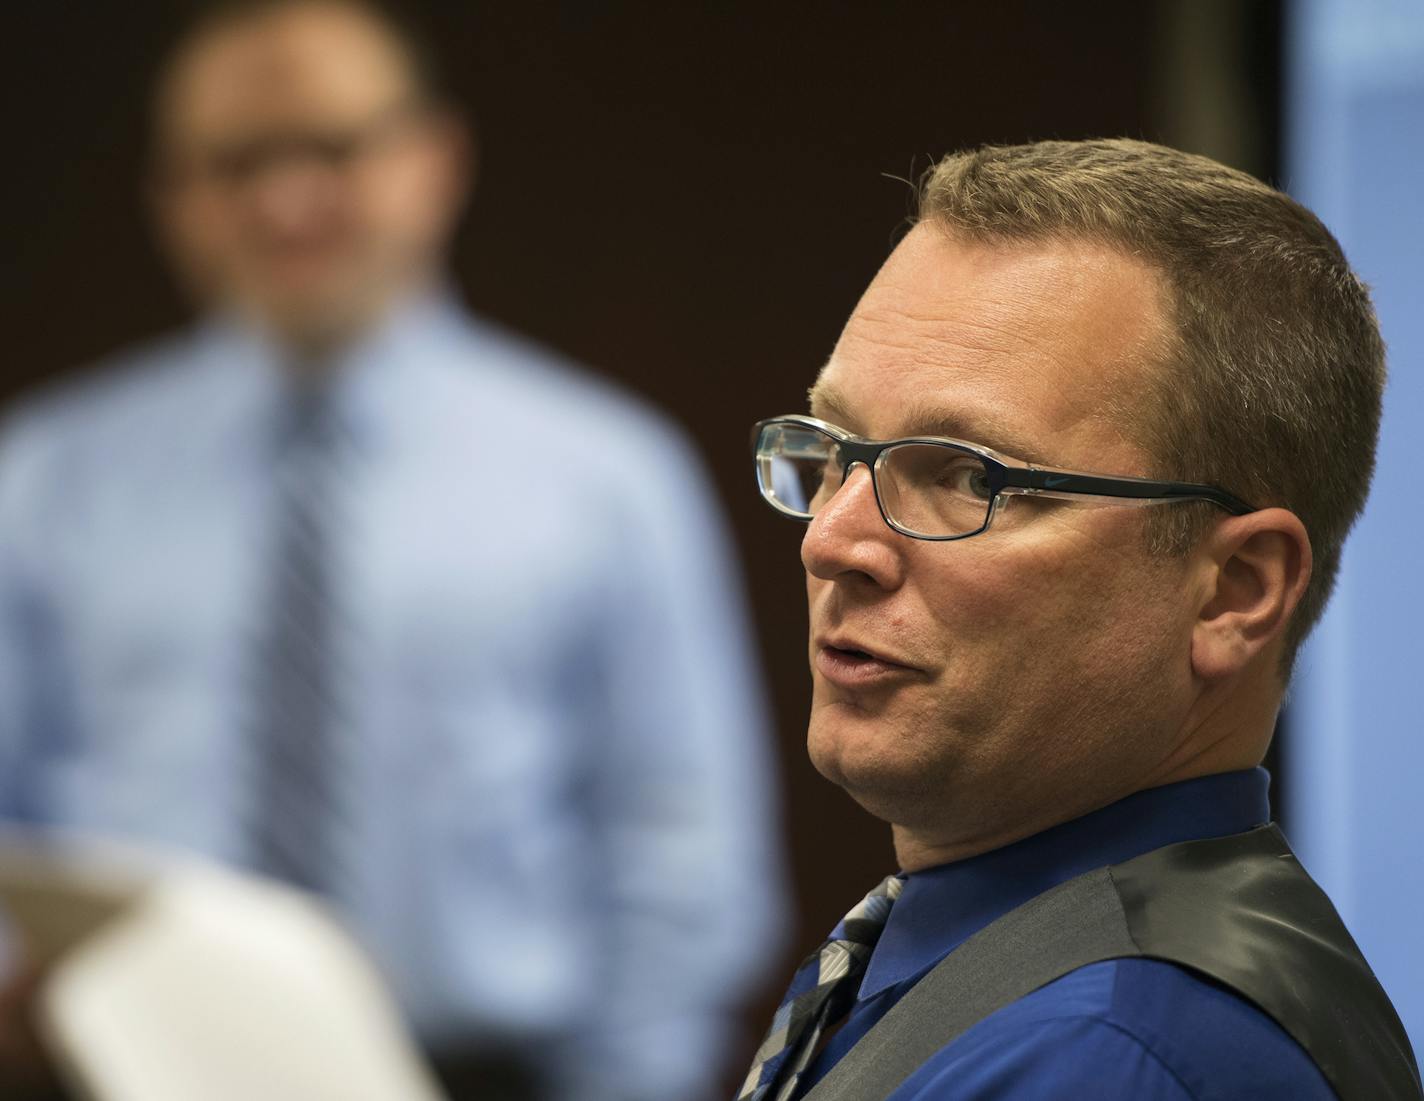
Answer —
(1048, 656)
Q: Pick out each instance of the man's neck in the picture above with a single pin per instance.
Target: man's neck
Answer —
(1227, 728)
(314, 347)
(1215, 748)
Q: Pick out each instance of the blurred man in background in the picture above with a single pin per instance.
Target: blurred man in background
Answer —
(351, 589)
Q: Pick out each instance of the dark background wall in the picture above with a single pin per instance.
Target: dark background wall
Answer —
(687, 196)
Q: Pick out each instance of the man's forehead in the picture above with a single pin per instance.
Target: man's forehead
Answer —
(314, 63)
(1012, 345)
(921, 417)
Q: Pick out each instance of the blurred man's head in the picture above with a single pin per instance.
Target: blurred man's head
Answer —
(1108, 307)
(305, 173)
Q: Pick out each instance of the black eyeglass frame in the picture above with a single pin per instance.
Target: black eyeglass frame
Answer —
(1005, 474)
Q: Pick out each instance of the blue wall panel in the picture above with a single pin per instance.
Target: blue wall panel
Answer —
(1355, 763)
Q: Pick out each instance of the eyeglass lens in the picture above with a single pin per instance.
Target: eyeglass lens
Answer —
(925, 489)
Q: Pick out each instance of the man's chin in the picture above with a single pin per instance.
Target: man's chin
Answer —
(313, 322)
(854, 757)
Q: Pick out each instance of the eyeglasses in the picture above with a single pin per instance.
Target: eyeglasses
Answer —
(933, 487)
(236, 164)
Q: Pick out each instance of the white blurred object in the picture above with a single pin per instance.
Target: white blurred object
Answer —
(192, 983)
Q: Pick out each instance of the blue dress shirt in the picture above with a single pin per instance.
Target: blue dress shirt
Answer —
(555, 735)
(1123, 1030)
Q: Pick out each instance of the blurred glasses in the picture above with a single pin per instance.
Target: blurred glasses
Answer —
(934, 487)
(235, 165)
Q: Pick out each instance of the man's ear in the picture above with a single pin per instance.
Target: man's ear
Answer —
(1255, 569)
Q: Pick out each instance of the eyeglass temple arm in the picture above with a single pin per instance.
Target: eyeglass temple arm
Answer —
(1034, 480)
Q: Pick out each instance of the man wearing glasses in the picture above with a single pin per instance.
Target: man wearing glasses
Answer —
(1076, 479)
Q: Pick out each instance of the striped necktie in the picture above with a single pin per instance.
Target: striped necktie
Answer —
(822, 992)
(298, 814)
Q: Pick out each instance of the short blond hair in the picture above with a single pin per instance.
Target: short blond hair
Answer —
(1272, 383)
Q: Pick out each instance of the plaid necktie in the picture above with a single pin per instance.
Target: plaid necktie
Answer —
(297, 811)
(822, 992)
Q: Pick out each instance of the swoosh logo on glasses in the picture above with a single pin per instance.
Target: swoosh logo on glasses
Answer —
(1050, 481)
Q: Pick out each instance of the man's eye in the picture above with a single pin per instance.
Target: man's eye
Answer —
(966, 477)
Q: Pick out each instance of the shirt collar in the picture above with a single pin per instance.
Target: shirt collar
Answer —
(942, 907)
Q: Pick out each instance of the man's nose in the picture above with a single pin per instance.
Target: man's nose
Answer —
(849, 537)
(289, 195)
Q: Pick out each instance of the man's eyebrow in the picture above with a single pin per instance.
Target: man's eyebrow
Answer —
(987, 431)
(829, 404)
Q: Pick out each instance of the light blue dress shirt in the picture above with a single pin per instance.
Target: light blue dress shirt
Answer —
(555, 738)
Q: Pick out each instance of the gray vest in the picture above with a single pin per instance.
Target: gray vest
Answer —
(1240, 910)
